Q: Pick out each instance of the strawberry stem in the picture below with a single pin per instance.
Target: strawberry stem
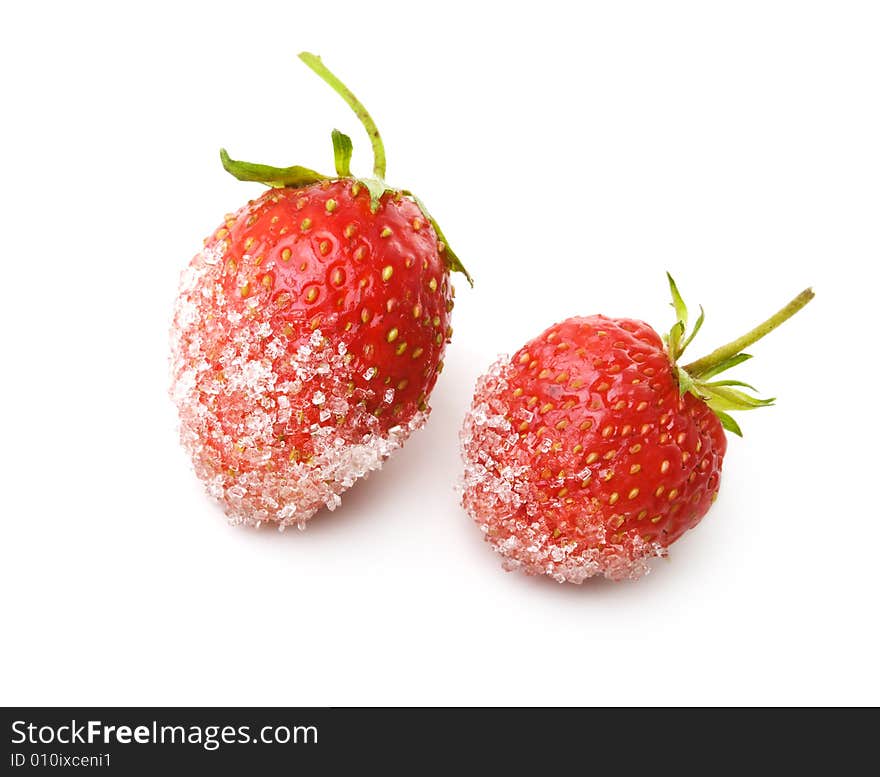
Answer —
(315, 63)
(723, 354)
(296, 177)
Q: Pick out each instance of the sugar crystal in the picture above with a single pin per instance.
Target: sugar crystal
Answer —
(269, 418)
(499, 491)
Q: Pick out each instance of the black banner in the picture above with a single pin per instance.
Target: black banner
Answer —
(266, 740)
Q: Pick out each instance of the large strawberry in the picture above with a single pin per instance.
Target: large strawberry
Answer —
(592, 450)
(309, 333)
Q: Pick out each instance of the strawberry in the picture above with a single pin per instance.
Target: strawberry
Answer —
(591, 450)
(309, 333)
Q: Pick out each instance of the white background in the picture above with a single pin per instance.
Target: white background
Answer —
(573, 152)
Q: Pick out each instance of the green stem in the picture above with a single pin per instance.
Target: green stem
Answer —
(725, 352)
(315, 63)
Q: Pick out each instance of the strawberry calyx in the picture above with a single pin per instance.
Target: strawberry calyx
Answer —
(722, 396)
(296, 177)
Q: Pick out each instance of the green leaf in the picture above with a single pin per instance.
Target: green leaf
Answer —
(673, 341)
(342, 149)
(722, 366)
(449, 256)
(745, 401)
(724, 398)
(685, 382)
(294, 176)
(376, 187)
(693, 334)
(729, 423)
(731, 383)
(681, 310)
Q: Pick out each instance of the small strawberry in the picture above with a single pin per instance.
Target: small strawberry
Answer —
(592, 450)
(309, 333)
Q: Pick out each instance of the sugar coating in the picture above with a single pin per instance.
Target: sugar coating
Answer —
(272, 423)
(498, 494)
